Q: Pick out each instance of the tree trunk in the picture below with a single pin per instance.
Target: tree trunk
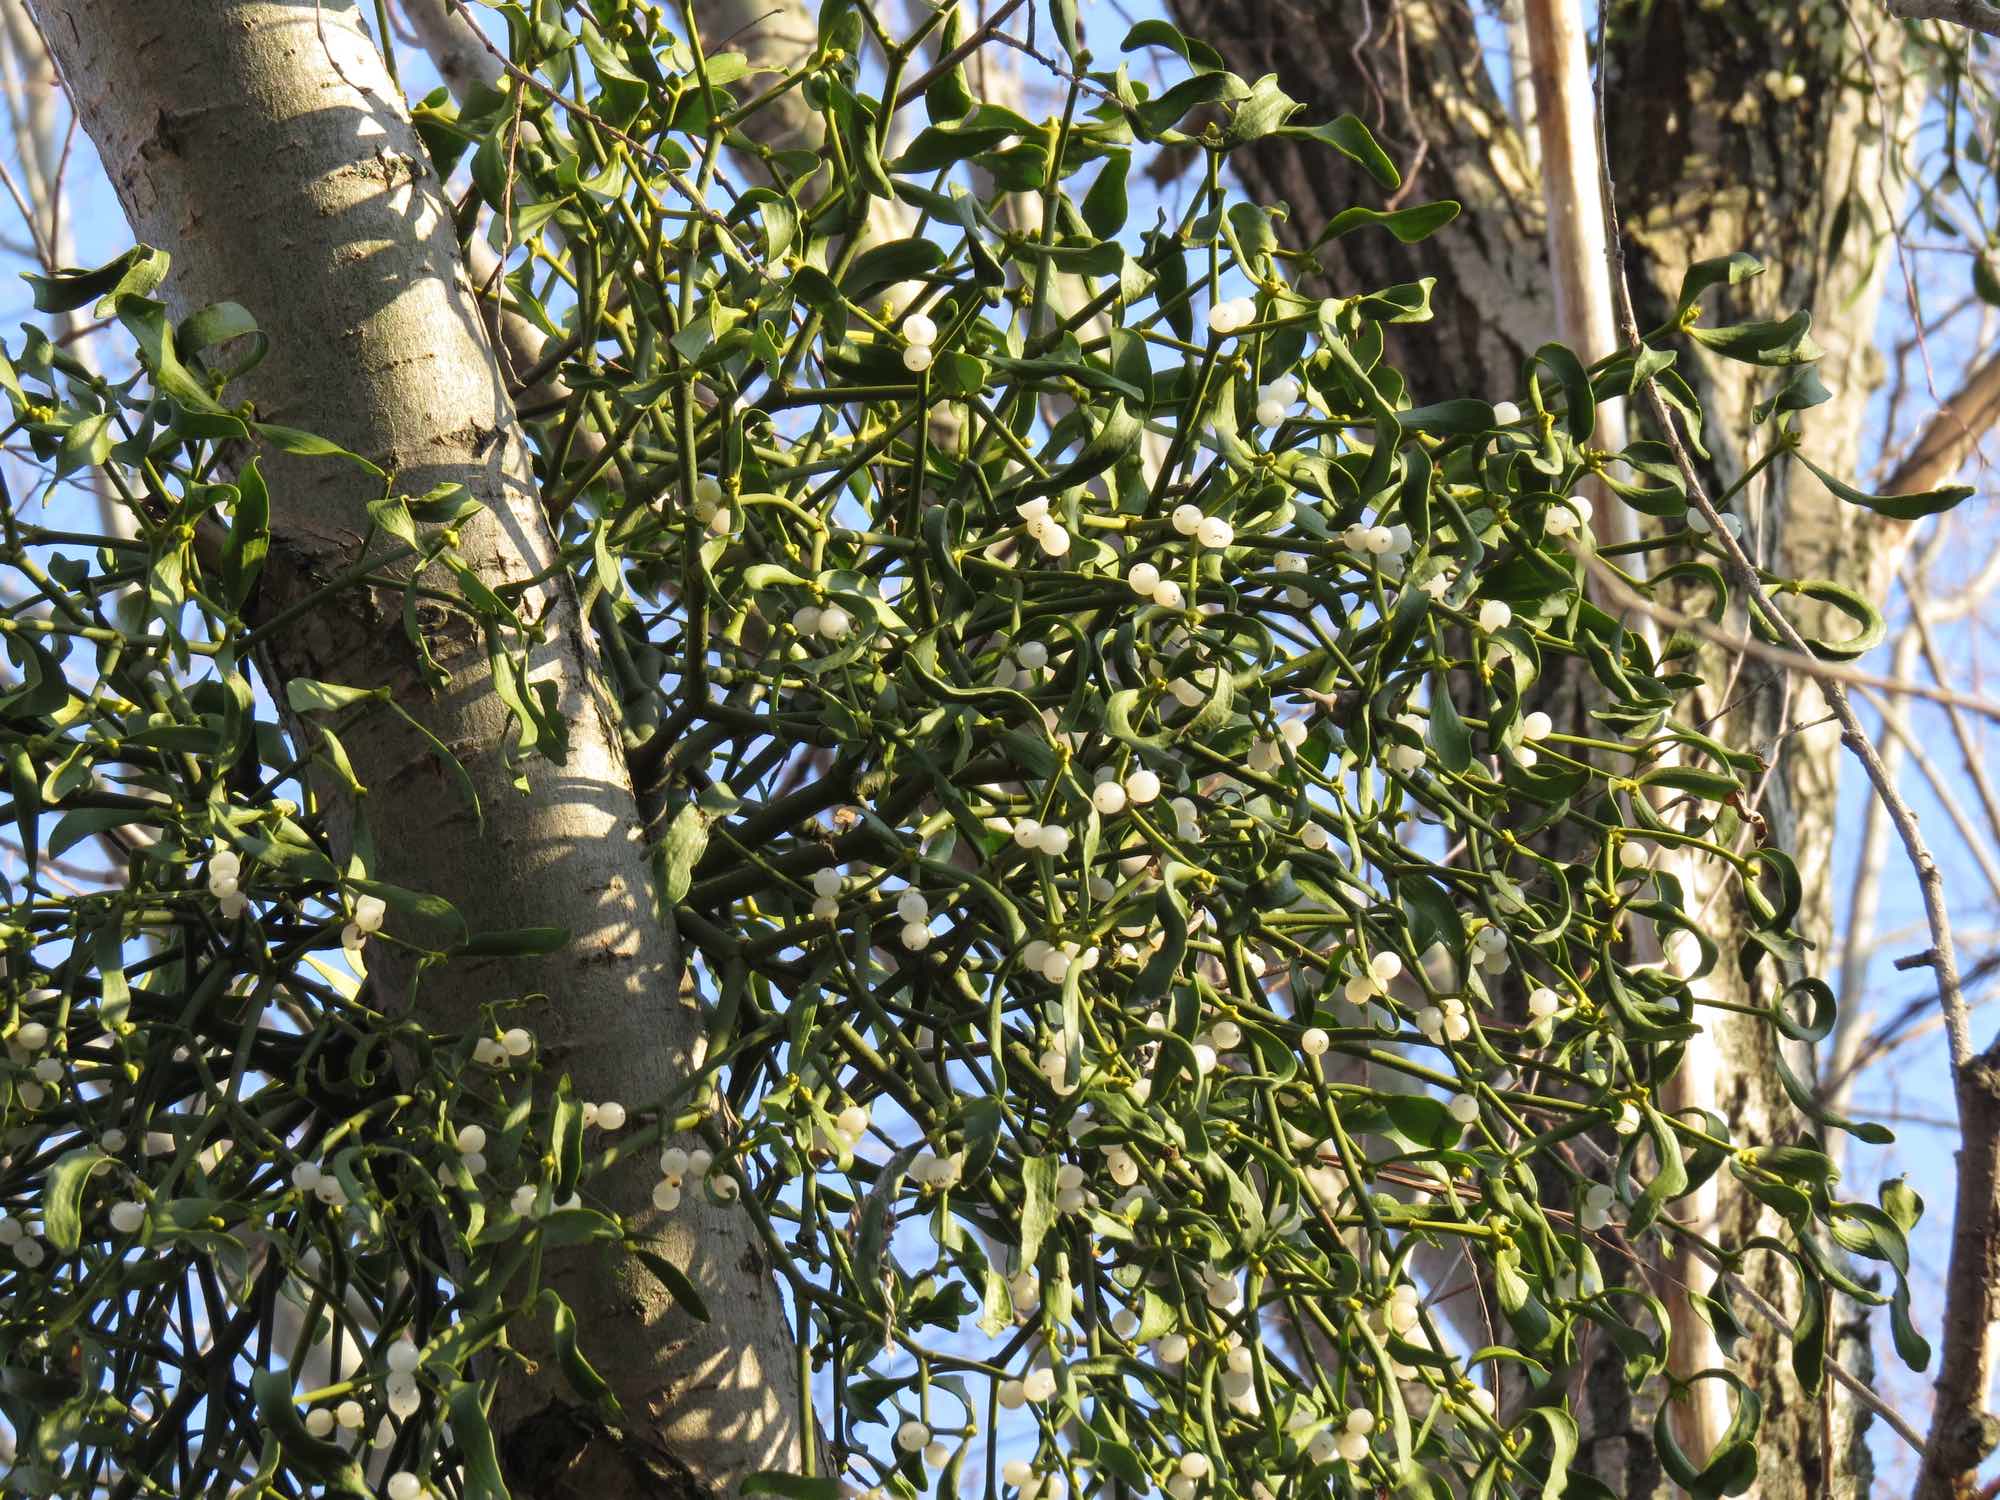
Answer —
(262, 143)
(1705, 159)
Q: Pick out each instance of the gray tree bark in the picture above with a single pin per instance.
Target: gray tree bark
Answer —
(263, 145)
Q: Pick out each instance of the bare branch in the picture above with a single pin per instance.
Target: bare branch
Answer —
(1969, 749)
(1976, 844)
(958, 54)
(1863, 903)
(1830, 673)
(1953, 432)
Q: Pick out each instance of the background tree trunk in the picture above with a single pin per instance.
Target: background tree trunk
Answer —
(263, 144)
(1705, 159)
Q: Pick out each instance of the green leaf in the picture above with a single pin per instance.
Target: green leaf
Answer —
(479, 596)
(939, 146)
(1911, 1346)
(1421, 1118)
(1670, 1177)
(75, 1420)
(449, 761)
(1985, 285)
(1196, 53)
(1063, 13)
(1354, 140)
(249, 535)
(1563, 1444)
(1710, 786)
(885, 265)
(581, 1374)
(1653, 460)
(26, 786)
(135, 273)
(566, 1138)
(1896, 507)
(429, 922)
(518, 942)
(1409, 302)
(1787, 342)
(223, 323)
(1447, 733)
(1732, 1468)
(1724, 270)
(307, 445)
(1433, 915)
(305, 696)
(1461, 417)
(1250, 233)
(1900, 1201)
(575, 1226)
(1263, 112)
(674, 1279)
(1870, 627)
(1038, 1203)
(1117, 438)
(481, 1464)
(1524, 1311)
(62, 1197)
(1802, 391)
(87, 444)
(950, 96)
(1417, 222)
(676, 855)
(1580, 401)
(146, 321)
(10, 382)
(1104, 207)
(436, 119)
(770, 575)
(1154, 118)
(73, 827)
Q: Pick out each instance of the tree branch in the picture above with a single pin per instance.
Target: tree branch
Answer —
(1962, 1432)
(453, 43)
(1831, 673)
(1952, 433)
(1973, 15)
(1573, 193)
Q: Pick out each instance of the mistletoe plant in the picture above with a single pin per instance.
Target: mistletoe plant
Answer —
(1154, 951)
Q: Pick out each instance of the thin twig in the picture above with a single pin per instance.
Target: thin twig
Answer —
(1863, 1392)
(957, 55)
(1832, 673)
(1958, 1415)
(1959, 1423)
(673, 174)
(1976, 845)
(1968, 748)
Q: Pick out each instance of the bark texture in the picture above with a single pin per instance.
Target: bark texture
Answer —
(1705, 160)
(1963, 1429)
(262, 143)
(1414, 72)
